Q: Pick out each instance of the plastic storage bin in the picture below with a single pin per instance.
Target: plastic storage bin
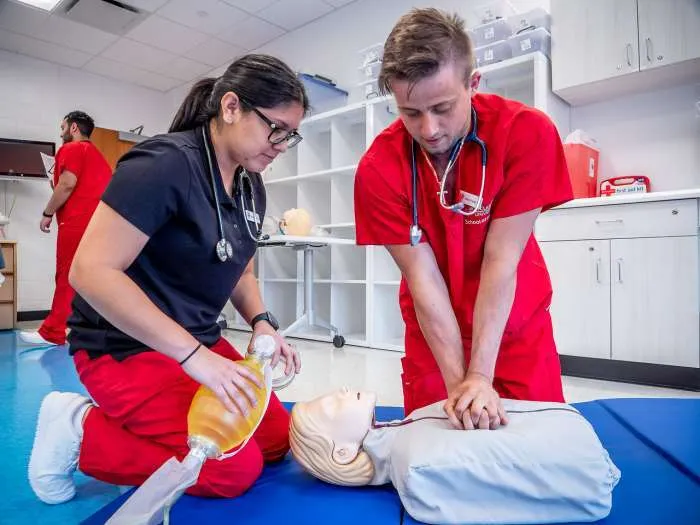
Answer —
(491, 32)
(323, 96)
(530, 41)
(371, 54)
(532, 19)
(492, 53)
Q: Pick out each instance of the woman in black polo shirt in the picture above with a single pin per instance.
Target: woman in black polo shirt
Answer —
(170, 243)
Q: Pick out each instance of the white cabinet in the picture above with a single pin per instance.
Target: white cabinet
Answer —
(625, 281)
(593, 40)
(669, 32)
(608, 48)
(580, 273)
(655, 300)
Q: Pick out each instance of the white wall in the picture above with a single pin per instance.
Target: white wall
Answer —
(34, 97)
(656, 134)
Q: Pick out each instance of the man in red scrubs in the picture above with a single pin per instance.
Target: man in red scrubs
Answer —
(475, 293)
(81, 175)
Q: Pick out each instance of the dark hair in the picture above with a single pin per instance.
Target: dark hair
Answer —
(420, 43)
(82, 120)
(258, 80)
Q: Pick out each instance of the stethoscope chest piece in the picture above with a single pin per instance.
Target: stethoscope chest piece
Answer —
(224, 250)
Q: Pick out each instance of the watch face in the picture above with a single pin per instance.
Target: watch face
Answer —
(273, 321)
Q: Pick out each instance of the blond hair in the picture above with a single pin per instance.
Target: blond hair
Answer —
(420, 43)
(314, 452)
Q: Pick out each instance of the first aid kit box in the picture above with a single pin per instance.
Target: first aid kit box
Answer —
(625, 185)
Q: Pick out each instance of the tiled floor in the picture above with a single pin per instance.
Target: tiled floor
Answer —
(26, 375)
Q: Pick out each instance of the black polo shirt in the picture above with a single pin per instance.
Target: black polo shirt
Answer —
(162, 186)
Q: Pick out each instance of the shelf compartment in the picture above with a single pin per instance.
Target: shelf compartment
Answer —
(316, 176)
(348, 310)
(284, 166)
(384, 268)
(342, 200)
(388, 325)
(315, 198)
(348, 263)
(280, 264)
(279, 200)
(347, 142)
(314, 152)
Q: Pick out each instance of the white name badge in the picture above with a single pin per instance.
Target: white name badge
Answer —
(252, 217)
(469, 199)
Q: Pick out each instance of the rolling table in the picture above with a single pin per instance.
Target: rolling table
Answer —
(309, 318)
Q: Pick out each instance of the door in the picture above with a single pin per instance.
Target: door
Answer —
(655, 314)
(593, 40)
(580, 273)
(669, 31)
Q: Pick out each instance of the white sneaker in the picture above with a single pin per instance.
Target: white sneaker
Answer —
(54, 458)
(34, 338)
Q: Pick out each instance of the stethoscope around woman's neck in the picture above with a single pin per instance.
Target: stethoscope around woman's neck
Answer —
(224, 249)
(416, 232)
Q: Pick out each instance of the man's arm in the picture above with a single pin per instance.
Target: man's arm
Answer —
(504, 246)
(66, 184)
(475, 403)
(434, 311)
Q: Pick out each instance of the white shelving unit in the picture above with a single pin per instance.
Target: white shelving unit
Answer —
(357, 288)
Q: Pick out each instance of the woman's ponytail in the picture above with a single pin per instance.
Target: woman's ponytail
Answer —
(197, 108)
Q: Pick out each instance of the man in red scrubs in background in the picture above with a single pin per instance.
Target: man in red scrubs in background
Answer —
(475, 293)
(81, 175)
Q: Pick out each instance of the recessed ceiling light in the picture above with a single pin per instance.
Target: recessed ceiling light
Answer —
(44, 5)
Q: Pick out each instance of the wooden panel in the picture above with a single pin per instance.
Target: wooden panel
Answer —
(7, 316)
(7, 290)
(107, 141)
(8, 253)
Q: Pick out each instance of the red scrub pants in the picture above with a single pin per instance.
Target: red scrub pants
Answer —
(527, 366)
(141, 422)
(53, 328)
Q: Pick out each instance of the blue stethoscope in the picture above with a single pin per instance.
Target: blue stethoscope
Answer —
(416, 232)
(224, 249)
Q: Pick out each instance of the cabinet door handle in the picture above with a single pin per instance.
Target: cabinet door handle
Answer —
(608, 221)
(619, 270)
(597, 270)
(628, 49)
(648, 46)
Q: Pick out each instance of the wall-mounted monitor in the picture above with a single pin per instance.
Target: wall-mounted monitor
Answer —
(22, 158)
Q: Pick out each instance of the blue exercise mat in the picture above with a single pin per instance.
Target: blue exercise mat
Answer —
(672, 426)
(652, 490)
(284, 493)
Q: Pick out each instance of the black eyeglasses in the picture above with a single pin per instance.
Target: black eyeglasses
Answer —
(278, 135)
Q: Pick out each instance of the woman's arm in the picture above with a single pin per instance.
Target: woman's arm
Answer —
(109, 246)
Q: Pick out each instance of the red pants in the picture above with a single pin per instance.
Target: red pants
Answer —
(141, 422)
(53, 328)
(527, 367)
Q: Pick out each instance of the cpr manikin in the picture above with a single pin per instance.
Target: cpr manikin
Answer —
(296, 221)
(546, 466)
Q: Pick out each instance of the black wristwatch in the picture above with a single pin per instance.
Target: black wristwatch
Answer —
(265, 316)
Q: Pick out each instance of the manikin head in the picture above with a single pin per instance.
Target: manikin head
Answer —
(296, 221)
(326, 436)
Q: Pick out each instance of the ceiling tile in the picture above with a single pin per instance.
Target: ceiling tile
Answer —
(21, 19)
(291, 14)
(165, 34)
(77, 36)
(127, 73)
(251, 33)
(146, 5)
(137, 54)
(252, 6)
(43, 50)
(183, 69)
(207, 16)
(339, 3)
(214, 52)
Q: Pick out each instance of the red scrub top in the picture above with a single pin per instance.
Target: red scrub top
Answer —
(93, 174)
(526, 169)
